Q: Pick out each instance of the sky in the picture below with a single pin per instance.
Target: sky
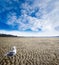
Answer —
(29, 17)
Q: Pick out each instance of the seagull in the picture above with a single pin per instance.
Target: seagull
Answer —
(12, 52)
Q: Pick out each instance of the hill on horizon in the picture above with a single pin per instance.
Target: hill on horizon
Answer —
(7, 35)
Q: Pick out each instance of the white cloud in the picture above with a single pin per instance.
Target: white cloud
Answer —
(12, 19)
(30, 34)
(47, 22)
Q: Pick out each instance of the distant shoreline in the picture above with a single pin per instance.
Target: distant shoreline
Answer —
(7, 35)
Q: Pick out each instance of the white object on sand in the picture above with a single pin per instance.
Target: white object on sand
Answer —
(12, 52)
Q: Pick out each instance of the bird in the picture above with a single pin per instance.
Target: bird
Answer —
(12, 52)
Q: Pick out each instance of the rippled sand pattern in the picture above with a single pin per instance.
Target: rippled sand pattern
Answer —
(30, 51)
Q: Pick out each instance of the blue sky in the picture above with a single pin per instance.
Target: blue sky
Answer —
(29, 17)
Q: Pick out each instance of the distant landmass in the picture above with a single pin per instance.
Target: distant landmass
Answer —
(7, 35)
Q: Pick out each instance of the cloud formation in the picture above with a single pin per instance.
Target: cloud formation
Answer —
(28, 15)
